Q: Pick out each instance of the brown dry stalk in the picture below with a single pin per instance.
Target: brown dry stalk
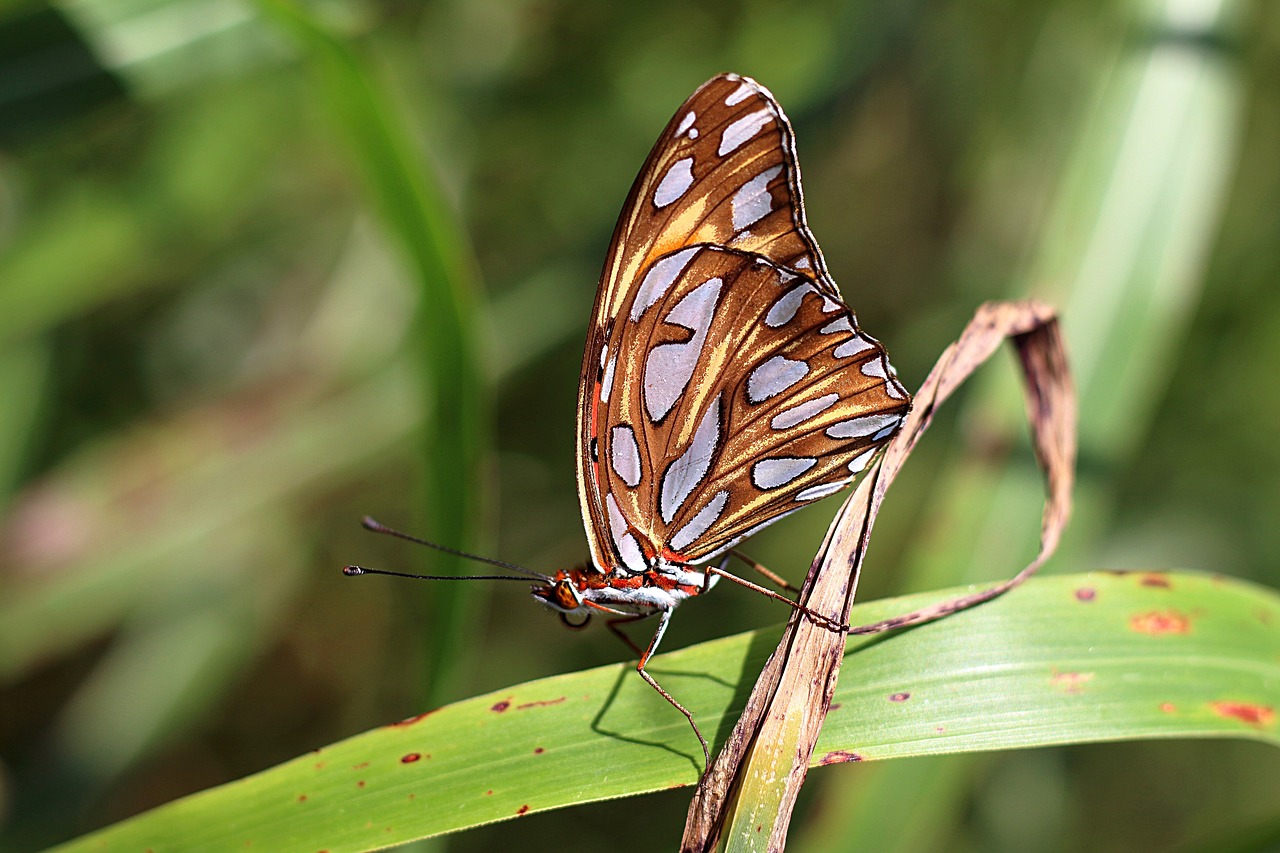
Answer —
(769, 749)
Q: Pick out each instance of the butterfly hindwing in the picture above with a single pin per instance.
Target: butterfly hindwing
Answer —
(755, 394)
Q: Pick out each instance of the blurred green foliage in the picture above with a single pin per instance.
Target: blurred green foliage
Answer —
(211, 365)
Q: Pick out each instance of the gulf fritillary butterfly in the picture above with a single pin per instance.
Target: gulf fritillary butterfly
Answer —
(725, 383)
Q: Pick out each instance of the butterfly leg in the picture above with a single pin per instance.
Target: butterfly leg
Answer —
(761, 569)
(812, 614)
(664, 617)
(613, 625)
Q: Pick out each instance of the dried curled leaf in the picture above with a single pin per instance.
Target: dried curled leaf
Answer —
(756, 778)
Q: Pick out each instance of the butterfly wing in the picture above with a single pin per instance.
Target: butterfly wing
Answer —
(724, 173)
(724, 382)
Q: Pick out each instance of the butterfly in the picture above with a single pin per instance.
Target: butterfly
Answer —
(725, 383)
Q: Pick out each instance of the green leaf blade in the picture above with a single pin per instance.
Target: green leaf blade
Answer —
(1104, 656)
(1068, 659)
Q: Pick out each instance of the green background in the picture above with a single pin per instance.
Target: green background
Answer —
(265, 270)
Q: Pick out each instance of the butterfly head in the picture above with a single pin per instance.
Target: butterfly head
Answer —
(564, 595)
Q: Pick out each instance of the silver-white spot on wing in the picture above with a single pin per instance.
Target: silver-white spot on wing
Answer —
(623, 541)
(674, 183)
(841, 325)
(853, 346)
(773, 377)
(801, 413)
(632, 556)
(659, 280)
(686, 122)
(752, 202)
(784, 310)
(876, 369)
(700, 523)
(625, 455)
(738, 95)
(684, 475)
(669, 367)
(863, 426)
(740, 132)
(606, 383)
(862, 460)
(772, 473)
(801, 264)
(821, 490)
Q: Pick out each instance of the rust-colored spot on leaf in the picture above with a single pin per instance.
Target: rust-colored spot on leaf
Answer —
(1168, 707)
(537, 750)
(839, 756)
(362, 765)
(413, 796)
(319, 765)
(302, 798)
(1070, 682)
(411, 757)
(1156, 579)
(1161, 622)
(360, 784)
(489, 793)
(409, 721)
(899, 697)
(522, 809)
(539, 704)
(499, 707)
(1086, 593)
(1249, 713)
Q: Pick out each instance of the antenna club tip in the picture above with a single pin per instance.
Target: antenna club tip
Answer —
(352, 571)
(370, 523)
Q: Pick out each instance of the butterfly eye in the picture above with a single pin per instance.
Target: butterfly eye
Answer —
(565, 596)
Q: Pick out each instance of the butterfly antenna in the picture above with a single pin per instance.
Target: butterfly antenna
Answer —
(371, 524)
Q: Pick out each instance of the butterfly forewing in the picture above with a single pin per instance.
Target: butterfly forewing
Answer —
(724, 382)
(724, 173)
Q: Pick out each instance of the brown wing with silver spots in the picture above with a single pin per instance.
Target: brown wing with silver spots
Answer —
(724, 382)
(733, 392)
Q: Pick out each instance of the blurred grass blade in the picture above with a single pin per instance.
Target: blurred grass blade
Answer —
(413, 208)
(195, 479)
(24, 369)
(1092, 657)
